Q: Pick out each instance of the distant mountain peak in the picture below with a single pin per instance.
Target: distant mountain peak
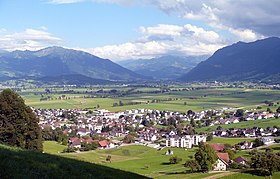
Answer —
(258, 60)
(164, 67)
(57, 61)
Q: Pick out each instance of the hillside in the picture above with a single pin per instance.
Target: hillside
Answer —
(165, 67)
(254, 61)
(57, 61)
(18, 163)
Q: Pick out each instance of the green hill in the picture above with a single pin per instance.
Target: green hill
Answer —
(19, 163)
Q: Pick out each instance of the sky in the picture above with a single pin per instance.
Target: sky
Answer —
(136, 29)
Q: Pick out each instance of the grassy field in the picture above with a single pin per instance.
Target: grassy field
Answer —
(18, 163)
(264, 123)
(196, 100)
(147, 161)
(231, 141)
(250, 176)
(53, 147)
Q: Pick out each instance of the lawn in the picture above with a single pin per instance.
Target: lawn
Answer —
(149, 162)
(53, 147)
(250, 176)
(19, 163)
(231, 141)
(134, 158)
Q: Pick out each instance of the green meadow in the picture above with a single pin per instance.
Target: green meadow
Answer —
(181, 101)
(150, 162)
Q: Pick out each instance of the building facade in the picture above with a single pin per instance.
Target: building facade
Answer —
(186, 141)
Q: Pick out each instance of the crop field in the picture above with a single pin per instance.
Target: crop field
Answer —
(150, 162)
(151, 98)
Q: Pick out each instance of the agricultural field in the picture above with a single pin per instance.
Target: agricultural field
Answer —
(175, 99)
(147, 161)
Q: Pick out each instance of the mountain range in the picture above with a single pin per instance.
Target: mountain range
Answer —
(57, 61)
(164, 68)
(254, 61)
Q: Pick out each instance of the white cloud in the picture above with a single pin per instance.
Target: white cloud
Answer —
(129, 50)
(64, 1)
(2, 30)
(203, 35)
(30, 39)
(245, 35)
(164, 39)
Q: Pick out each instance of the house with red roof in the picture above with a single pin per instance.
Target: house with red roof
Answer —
(104, 144)
(218, 147)
(75, 142)
(222, 162)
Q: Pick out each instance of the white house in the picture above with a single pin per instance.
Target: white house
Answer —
(222, 162)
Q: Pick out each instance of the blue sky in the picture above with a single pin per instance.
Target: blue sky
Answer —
(131, 29)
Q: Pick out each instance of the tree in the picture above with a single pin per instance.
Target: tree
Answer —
(258, 142)
(108, 158)
(19, 125)
(175, 160)
(269, 110)
(205, 157)
(128, 139)
(209, 137)
(239, 113)
(193, 165)
(192, 122)
(266, 161)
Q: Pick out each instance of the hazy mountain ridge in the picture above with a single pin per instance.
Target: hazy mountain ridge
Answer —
(57, 61)
(165, 67)
(255, 61)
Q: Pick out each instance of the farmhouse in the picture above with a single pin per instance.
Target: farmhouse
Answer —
(222, 162)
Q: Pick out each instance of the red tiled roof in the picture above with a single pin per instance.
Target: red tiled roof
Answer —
(103, 143)
(223, 156)
(217, 147)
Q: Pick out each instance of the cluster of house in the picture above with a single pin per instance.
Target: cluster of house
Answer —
(102, 144)
(247, 132)
(249, 116)
(110, 125)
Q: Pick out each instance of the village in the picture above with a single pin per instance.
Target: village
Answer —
(147, 125)
(86, 130)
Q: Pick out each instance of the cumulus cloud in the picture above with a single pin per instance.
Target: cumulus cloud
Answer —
(257, 16)
(164, 39)
(30, 39)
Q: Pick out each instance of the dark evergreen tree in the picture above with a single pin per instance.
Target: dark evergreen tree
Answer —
(18, 124)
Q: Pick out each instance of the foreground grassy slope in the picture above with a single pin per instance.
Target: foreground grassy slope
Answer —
(18, 163)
